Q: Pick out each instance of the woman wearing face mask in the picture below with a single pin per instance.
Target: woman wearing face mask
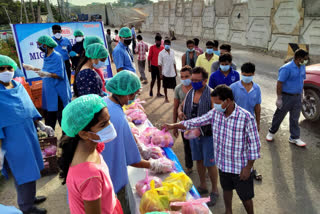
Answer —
(77, 48)
(87, 81)
(179, 94)
(86, 121)
(56, 92)
(19, 144)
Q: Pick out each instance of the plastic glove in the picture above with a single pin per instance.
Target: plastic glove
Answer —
(2, 153)
(161, 165)
(73, 54)
(47, 129)
(28, 67)
(279, 102)
(43, 74)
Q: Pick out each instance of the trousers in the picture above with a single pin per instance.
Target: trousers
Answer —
(142, 66)
(51, 117)
(68, 69)
(187, 152)
(293, 105)
(26, 195)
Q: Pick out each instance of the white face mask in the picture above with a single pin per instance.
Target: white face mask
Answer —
(57, 35)
(79, 39)
(106, 135)
(6, 76)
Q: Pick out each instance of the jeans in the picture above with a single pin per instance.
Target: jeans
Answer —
(142, 66)
(291, 104)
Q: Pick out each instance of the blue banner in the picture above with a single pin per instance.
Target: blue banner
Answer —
(26, 36)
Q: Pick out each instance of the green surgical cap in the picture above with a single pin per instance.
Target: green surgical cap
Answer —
(96, 51)
(80, 112)
(124, 83)
(91, 40)
(125, 32)
(78, 33)
(47, 40)
(5, 60)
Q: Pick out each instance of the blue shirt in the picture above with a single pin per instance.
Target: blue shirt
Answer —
(244, 99)
(292, 77)
(19, 135)
(133, 32)
(51, 87)
(123, 150)
(123, 57)
(64, 47)
(218, 78)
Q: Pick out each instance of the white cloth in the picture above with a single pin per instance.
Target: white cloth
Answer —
(167, 61)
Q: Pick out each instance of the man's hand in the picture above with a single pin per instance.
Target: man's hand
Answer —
(182, 116)
(279, 102)
(161, 77)
(167, 127)
(175, 133)
(258, 126)
(150, 69)
(245, 173)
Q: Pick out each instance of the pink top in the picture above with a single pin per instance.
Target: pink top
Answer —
(89, 181)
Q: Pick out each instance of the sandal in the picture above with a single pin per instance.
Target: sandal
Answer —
(202, 191)
(256, 175)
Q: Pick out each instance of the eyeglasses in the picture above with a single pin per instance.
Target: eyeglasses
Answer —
(3, 68)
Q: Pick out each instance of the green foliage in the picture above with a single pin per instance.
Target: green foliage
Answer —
(8, 48)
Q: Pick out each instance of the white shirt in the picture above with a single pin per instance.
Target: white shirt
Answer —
(167, 61)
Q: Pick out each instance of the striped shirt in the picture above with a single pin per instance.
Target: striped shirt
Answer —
(235, 138)
(141, 50)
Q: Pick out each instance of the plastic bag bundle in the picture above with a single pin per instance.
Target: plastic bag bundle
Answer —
(193, 206)
(137, 116)
(152, 201)
(180, 179)
(144, 185)
(162, 139)
(167, 165)
(149, 151)
(174, 191)
(135, 105)
(148, 133)
(192, 134)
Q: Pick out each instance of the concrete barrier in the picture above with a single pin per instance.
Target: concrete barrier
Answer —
(208, 33)
(312, 8)
(237, 37)
(221, 28)
(166, 9)
(239, 17)
(179, 26)
(208, 17)
(259, 32)
(310, 34)
(260, 8)
(287, 17)
(196, 26)
(197, 7)
(223, 7)
(179, 8)
(280, 42)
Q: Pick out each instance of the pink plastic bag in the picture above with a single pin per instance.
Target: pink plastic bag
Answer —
(137, 105)
(162, 139)
(137, 116)
(50, 151)
(144, 185)
(148, 133)
(193, 206)
(192, 134)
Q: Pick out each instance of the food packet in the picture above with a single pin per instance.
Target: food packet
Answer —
(193, 206)
(192, 134)
(144, 185)
(181, 179)
(162, 139)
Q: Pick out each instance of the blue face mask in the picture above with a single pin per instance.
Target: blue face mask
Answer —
(131, 101)
(246, 79)
(197, 85)
(186, 82)
(167, 47)
(209, 51)
(99, 65)
(191, 50)
(106, 135)
(219, 108)
(224, 68)
(216, 53)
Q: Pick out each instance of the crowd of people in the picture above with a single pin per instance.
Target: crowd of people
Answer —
(212, 98)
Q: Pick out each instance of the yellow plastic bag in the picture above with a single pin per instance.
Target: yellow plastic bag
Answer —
(181, 179)
(175, 191)
(153, 201)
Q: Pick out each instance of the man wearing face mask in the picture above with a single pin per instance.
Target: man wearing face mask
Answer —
(197, 103)
(179, 94)
(216, 47)
(56, 92)
(230, 124)
(77, 49)
(123, 151)
(64, 47)
(224, 48)
(190, 57)
(87, 81)
(206, 59)
(225, 74)
(167, 68)
(289, 96)
(247, 95)
(122, 55)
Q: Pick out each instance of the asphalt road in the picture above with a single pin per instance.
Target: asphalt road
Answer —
(291, 175)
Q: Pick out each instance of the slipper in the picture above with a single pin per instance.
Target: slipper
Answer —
(202, 191)
(256, 175)
(160, 95)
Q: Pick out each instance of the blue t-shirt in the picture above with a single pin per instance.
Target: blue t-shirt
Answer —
(292, 77)
(123, 57)
(244, 99)
(218, 78)
(123, 150)
(64, 47)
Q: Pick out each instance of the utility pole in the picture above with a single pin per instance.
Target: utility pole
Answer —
(25, 10)
(5, 9)
(32, 11)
